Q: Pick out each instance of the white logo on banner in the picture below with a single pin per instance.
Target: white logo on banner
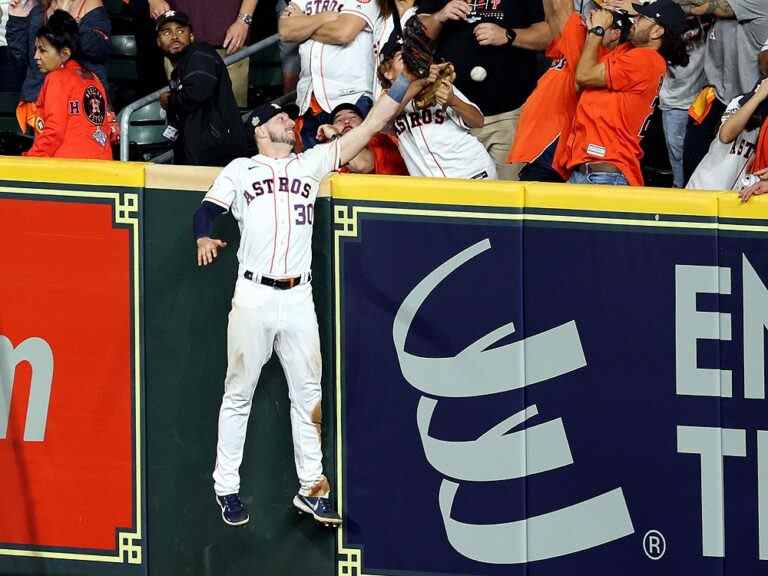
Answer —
(478, 371)
(38, 353)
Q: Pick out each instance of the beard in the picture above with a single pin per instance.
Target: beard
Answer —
(287, 137)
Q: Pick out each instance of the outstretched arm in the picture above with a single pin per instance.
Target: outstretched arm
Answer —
(556, 14)
(385, 108)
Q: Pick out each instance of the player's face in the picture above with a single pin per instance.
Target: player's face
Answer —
(47, 57)
(280, 129)
(173, 38)
(346, 120)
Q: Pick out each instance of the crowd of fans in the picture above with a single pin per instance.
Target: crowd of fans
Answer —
(612, 64)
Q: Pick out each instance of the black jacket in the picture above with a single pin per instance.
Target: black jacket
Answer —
(95, 47)
(203, 109)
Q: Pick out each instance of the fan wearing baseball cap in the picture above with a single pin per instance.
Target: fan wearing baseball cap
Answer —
(203, 118)
(620, 93)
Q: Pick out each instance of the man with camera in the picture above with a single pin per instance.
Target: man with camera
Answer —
(620, 93)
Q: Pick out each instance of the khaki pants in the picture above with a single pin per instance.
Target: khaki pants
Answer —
(238, 76)
(497, 136)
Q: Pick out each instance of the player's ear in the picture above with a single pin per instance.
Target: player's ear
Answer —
(261, 132)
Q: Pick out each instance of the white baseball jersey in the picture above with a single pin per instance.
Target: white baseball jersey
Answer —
(437, 142)
(273, 202)
(725, 164)
(382, 30)
(337, 74)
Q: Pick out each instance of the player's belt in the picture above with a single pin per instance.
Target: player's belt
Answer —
(592, 167)
(278, 283)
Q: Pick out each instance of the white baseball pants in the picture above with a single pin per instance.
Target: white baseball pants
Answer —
(263, 319)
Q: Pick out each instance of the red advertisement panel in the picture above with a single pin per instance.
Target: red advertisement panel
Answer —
(66, 374)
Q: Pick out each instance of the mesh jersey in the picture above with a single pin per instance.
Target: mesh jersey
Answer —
(273, 202)
(725, 164)
(437, 142)
(337, 74)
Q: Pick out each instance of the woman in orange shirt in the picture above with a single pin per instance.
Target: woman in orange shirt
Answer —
(72, 105)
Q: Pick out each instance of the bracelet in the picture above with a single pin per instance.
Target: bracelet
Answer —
(399, 88)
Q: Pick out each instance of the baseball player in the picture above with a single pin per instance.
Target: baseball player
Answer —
(435, 141)
(272, 197)
(336, 54)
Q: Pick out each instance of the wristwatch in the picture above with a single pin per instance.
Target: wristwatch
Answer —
(511, 35)
(247, 18)
(597, 31)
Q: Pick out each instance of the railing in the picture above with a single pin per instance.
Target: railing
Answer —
(167, 156)
(127, 112)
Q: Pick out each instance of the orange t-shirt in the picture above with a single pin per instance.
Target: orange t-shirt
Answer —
(73, 108)
(386, 156)
(611, 121)
(548, 111)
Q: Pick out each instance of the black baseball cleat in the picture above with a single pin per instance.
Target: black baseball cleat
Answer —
(321, 509)
(233, 511)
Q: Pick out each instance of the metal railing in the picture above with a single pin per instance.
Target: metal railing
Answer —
(127, 112)
(167, 156)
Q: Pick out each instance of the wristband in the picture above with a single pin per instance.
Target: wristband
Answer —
(399, 88)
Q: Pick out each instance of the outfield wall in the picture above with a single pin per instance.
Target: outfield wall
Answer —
(519, 379)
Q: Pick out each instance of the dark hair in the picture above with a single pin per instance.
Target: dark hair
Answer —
(62, 31)
(674, 49)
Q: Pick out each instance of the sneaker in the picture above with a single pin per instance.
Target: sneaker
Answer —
(321, 509)
(233, 511)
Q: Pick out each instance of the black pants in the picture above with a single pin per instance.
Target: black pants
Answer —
(540, 170)
(698, 137)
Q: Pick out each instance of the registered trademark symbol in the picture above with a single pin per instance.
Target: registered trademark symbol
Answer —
(654, 544)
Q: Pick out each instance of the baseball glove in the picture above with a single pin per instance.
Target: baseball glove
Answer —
(418, 49)
(426, 97)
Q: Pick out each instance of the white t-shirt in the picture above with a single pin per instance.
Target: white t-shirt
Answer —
(725, 164)
(273, 201)
(437, 142)
(382, 30)
(337, 74)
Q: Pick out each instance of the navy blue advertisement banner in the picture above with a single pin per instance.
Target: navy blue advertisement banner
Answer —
(548, 396)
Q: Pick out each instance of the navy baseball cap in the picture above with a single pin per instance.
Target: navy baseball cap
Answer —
(346, 106)
(172, 16)
(266, 112)
(665, 13)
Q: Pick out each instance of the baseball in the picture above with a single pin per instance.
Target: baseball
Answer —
(478, 73)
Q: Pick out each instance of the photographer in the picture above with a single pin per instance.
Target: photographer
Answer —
(547, 115)
(620, 93)
(203, 118)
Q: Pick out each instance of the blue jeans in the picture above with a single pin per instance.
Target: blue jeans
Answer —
(605, 178)
(675, 124)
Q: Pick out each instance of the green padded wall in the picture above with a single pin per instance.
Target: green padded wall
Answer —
(185, 340)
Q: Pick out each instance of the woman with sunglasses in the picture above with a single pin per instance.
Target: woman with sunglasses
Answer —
(72, 105)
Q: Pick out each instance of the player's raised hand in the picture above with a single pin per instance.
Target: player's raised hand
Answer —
(762, 89)
(208, 250)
